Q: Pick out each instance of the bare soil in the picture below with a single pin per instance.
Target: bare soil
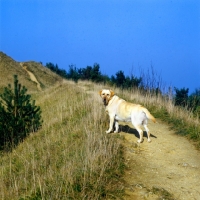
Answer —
(166, 168)
(32, 76)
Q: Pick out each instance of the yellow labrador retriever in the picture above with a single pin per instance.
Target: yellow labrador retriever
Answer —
(121, 110)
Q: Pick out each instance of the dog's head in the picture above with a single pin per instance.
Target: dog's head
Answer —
(106, 95)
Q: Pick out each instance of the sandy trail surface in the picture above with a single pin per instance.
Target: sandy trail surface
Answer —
(32, 76)
(166, 168)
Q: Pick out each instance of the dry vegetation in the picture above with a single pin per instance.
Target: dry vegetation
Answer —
(70, 157)
(180, 119)
(9, 67)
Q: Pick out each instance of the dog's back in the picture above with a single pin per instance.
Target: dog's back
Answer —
(125, 109)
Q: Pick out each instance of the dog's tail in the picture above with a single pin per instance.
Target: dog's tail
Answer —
(149, 115)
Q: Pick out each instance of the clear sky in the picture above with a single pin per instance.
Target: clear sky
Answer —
(126, 35)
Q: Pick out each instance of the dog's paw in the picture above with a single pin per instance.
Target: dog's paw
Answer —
(140, 141)
(108, 131)
(115, 131)
(149, 140)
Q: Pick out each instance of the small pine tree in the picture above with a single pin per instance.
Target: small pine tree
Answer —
(18, 115)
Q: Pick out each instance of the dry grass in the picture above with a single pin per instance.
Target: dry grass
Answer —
(9, 67)
(181, 120)
(162, 107)
(69, 158)
(44, 76)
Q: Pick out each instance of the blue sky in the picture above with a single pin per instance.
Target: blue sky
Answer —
(127, 35)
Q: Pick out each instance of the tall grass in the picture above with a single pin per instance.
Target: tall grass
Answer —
(182, 120)
(70, 157)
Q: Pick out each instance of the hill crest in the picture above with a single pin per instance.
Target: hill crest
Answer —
(10, 67)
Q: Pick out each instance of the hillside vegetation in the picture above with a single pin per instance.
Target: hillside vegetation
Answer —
(9, 67)
(71, 157)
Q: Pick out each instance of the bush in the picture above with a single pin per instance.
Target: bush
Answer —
(181, 98)
(18, 115)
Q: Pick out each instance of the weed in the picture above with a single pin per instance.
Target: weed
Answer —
(162, 193)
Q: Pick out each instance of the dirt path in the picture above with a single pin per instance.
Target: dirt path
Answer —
(166, 168)
(32, 76)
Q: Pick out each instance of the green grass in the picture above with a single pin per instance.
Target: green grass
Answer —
(182, 121)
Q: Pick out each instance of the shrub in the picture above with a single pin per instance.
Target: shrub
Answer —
(18, 115)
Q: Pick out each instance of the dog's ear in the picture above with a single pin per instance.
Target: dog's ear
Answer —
(100, 92)
(112, 93)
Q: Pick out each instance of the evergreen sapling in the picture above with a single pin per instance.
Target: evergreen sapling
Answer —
(18, 115)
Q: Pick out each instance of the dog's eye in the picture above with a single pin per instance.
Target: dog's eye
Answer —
(107, 94)
(103, 94)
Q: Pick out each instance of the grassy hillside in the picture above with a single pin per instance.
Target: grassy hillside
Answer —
(9, 67)
(70, 157)
(45, 77)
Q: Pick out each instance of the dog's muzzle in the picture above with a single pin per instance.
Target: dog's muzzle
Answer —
(105, 101)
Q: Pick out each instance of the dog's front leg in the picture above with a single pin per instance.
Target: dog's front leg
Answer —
(116, 126)
(112, 118)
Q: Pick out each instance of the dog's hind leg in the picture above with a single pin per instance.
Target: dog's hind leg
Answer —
(148, 133)
(140, 131)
